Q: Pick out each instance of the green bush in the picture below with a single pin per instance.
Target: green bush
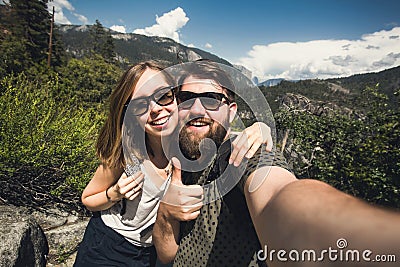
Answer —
(91, 80)
(46, 143)
(359, 155)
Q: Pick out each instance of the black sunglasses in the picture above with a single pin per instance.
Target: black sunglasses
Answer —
(209, 100)
(163, 97)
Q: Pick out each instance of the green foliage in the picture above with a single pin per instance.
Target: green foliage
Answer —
(358, 155)
(13, 55)
(24, 35)
(31, 21)
(90, 80)
(102, 42)
(47, 147)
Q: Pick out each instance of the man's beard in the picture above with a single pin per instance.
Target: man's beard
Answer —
(189, 143)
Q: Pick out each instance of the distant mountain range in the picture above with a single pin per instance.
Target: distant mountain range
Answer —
(270, 82)
(132, 48)
(344, 92)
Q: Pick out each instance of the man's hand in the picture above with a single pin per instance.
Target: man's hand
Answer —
(181, 202)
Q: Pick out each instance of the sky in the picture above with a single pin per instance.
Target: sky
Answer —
(297, 39)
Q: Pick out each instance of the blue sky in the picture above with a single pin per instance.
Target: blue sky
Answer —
(290, 39)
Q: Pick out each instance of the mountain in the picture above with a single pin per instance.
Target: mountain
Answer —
(271, 82)
(132, 48)
(344, 92)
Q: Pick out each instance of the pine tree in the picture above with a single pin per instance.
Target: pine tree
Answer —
(24, 36)
(103, 43)
(98, 34)
(108, 49)
(59, 56)
(13, 54)
(31, 22)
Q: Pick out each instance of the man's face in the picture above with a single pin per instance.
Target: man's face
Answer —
(201, 122)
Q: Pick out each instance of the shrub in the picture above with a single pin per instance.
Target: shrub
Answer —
(46, 145)
(359, 155)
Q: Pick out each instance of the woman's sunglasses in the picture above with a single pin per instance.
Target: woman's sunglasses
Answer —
(163, 97)
(209, 100)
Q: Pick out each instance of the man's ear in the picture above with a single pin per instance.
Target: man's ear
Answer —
(232, 111)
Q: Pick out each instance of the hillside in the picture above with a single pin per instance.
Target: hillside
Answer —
(132, 48)
(345, 92)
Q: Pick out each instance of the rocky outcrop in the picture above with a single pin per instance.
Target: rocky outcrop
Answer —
(64, 240)
(298, 103)
(23, 240)
(39, 238)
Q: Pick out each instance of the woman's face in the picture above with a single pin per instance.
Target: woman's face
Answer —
(152, 90)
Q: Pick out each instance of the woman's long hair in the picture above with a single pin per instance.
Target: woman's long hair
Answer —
(109, 143)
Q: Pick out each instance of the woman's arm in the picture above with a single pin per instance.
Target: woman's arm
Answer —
(247, 142)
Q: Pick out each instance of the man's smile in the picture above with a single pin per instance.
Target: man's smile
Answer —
(199, 124)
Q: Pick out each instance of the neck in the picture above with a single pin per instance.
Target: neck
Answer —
(157, 157)
(228, 133)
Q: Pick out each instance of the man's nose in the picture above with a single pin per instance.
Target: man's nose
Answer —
(197, 107)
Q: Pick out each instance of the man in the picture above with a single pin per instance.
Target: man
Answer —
(223, 233)
(268, 211)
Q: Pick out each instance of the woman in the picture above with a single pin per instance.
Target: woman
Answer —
(119, 233)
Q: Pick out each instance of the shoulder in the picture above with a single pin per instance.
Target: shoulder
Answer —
(262, 160)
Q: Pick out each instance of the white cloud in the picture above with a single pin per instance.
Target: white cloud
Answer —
(167, 25)
(59, 16)
(81, 18)
(208, 45)
(325, 58)
(191, 45)
(118, 28)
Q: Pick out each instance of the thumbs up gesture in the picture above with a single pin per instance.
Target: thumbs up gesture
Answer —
(181, 202)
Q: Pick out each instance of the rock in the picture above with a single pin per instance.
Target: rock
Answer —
(23, 240)
(64, 231)
(64, 241)
(296, 103)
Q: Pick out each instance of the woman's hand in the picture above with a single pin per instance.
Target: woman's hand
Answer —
(128, 187)
(247, 142)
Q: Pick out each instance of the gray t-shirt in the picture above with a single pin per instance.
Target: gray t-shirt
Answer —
(138, 216)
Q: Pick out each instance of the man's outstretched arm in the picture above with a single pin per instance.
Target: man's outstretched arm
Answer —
(309, 214)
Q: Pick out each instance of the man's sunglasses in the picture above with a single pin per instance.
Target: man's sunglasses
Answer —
(163, 97)
(209, 100)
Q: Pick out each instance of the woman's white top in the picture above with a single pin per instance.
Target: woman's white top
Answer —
(136, 224)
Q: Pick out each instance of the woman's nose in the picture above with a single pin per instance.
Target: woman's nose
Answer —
(154, 107)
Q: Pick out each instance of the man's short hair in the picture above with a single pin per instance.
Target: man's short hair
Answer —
(207, 69)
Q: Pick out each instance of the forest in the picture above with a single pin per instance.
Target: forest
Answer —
(53, 103)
